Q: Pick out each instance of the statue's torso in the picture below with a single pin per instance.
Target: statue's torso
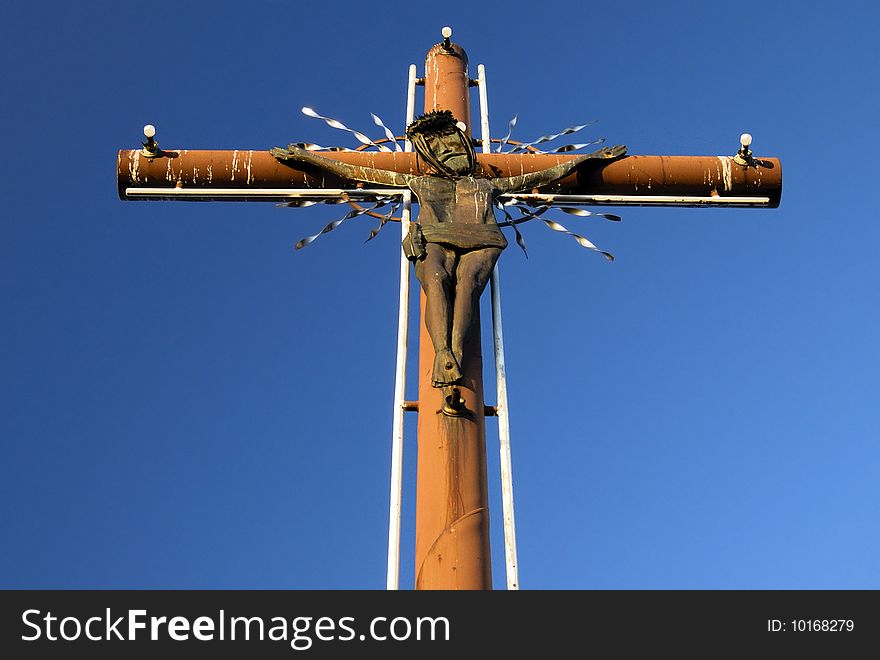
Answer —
(458, 212)
(467, 199)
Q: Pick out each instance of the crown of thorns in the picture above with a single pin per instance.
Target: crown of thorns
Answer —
(430, 122)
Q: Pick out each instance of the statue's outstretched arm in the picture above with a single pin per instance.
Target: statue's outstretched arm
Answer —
(294, 154)
(542, 178)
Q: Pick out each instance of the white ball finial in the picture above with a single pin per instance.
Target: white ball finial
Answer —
(149, 131)
(446, 32)
(745, 139)
(461, 126)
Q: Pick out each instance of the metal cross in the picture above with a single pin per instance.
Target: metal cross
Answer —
(452, 519)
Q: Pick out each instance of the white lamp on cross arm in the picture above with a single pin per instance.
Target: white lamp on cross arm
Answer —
(151, 147)
(744, 155)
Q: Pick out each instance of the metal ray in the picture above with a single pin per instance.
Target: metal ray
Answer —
(573, 210)
(303, 242)
(388, 133)
(335, 123)
(551, 137)
(582, 241)
(510, 126)
(385, 220)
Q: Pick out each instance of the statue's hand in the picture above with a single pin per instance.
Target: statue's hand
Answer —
(414, 245)
(292, 152)
(616, 151)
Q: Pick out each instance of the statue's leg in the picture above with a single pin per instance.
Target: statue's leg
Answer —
(435, 275)
(473, 272)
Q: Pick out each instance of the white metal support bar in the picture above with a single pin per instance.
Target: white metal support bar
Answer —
(360, 194)
(258, 194)
(501, 378)
(393, 573)
(639, 200)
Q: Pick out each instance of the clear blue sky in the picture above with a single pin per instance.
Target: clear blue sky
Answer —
(186, 402)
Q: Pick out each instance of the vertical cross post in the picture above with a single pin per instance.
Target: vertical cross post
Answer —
(452, 504)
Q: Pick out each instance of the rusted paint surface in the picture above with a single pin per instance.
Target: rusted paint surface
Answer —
(632, 175)
(236, 169)
(452, 515)
(447, 83)
(680, 175)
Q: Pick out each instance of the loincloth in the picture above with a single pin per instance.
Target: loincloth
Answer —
(465, 235)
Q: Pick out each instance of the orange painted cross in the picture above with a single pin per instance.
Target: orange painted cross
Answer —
(452, 515)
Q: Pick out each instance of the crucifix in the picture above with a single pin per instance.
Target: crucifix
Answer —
(453, 245)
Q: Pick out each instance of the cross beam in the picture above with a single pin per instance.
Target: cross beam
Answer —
(452, 524)
(641, 180)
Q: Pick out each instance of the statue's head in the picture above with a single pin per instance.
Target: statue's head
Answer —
(439, 141)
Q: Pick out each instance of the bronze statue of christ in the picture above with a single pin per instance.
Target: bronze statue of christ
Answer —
(455, 241)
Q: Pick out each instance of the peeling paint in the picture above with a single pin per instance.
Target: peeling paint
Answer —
(726, 162)
(134, 166)
(250, 178)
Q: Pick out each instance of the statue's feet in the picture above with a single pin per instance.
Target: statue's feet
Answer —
(446, 369)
